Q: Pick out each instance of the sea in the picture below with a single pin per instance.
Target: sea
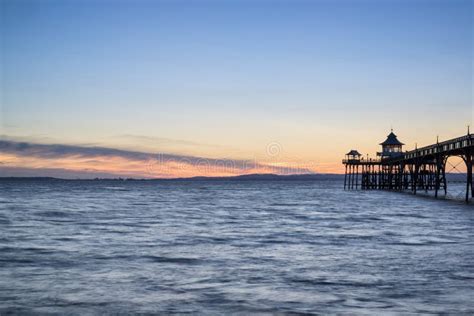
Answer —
(220, 247)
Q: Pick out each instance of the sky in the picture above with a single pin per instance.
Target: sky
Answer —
(184, 88)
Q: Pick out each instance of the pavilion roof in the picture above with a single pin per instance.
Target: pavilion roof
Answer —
(353, 152)
(392, 140)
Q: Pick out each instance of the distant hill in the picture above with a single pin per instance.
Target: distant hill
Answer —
(28, 178)
(456, 177)
(268, 177)
(247, 177)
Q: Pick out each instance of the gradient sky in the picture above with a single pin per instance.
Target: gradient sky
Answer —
(286, 83)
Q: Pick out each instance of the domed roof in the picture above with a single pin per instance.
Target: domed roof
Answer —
(392, 140)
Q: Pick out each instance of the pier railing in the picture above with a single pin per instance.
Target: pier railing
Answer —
(362, 161)
(445, 147)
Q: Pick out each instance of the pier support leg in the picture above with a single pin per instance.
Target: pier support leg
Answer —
(415, 178)
(469, 176)
(437, 175)
(352, 178)
(345, 178)
(445, 184)
(469, 173)
(357, 177)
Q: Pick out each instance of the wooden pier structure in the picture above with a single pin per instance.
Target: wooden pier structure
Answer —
(421, 169)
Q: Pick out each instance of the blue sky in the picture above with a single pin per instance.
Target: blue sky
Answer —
(314, 76)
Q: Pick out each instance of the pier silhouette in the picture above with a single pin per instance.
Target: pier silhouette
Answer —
(419, 169)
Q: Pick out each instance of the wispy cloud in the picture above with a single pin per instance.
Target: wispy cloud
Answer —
(164, 140)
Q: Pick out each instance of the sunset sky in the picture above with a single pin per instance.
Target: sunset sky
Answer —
(185, 88)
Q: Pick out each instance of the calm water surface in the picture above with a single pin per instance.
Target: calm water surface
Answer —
(219, 247)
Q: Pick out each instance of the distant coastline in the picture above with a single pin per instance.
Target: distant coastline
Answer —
(247, 177)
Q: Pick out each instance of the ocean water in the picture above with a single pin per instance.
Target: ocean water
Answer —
(223, 247)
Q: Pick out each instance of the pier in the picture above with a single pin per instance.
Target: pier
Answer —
(421, 169)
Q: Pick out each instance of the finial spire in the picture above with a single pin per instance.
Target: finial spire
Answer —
(437, 139)
(468, 130)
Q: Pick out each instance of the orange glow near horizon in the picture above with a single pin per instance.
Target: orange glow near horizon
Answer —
(152, 168)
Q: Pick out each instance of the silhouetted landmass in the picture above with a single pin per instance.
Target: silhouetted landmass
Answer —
(268, 177)
(248, 177)
(28, 178)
